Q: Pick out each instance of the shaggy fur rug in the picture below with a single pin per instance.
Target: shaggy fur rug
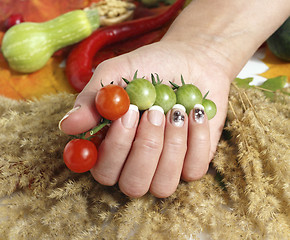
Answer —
(248, 198)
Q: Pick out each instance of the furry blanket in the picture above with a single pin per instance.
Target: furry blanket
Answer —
(247, 199)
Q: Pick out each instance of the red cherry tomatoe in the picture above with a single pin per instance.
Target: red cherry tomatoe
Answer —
(12, 20)
(112, 102)
(80, 155)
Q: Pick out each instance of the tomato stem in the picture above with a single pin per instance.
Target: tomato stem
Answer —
(174, 85)
(153, 79)
(135, 75)
(104, 123)
(158, 79)
(182, 80)
(125, 80)
(206, 95)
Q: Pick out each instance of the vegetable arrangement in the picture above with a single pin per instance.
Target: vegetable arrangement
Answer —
(28, 46)
(79, 62)
(113, 101)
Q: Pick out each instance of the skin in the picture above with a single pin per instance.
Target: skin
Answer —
(220, 37)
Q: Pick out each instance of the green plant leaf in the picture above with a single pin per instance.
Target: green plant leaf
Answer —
(243, 82)
(274, 84)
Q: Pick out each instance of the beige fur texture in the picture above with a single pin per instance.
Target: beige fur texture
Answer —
(247, 199)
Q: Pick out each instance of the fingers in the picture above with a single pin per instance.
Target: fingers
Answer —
(142, 161)
(197, 157)
(114, 150)
(167, 175)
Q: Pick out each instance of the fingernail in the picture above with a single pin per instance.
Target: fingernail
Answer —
(67, 114)
(131, 116)
(199, 113)
(156, 115)
(177, 115)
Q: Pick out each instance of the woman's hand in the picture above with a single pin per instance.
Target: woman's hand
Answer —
(208, 43)
(154, 153)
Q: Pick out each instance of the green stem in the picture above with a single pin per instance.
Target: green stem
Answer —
(206, 95)
(135, 75)
(153, 79)
(125, 80)
(174, 85)
(104, 123)
(182, 80)
(158, 79)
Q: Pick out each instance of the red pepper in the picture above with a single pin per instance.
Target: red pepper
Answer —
(80, 60)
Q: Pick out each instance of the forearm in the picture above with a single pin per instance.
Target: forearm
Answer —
(233, 29)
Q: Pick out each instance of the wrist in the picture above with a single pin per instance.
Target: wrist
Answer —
(228, 31)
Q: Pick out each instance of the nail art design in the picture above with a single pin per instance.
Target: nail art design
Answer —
(177, 117)
(199, 113)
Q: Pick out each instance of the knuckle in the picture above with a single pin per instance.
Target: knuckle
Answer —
(117, 145)
(160, 191)
(176, 144)
(201, 138)
(193, 174)
(149, 144)
(133, 189)
(104, 179)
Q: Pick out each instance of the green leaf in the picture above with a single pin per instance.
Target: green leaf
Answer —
(243, 82)
(274, 84)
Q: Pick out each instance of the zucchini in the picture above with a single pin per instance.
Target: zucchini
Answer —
(279, 41)
(28, 46)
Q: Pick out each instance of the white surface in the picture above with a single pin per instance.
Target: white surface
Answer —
(254, 67)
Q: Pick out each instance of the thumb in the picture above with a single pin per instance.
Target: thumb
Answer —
(83, 115)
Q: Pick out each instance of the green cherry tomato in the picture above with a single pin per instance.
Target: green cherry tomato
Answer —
(188, 95)
(165, 97)
(141, 93)
(209, 108)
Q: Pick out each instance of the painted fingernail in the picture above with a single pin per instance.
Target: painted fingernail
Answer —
(131, 116)
(156, 115)
(177, 115)
(199, 113)
(67, 115)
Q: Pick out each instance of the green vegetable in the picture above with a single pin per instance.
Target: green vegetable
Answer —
(209, 108)
(141, 92)
(187, 95)
(28, 46)
(165, 96)
(279, 41)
